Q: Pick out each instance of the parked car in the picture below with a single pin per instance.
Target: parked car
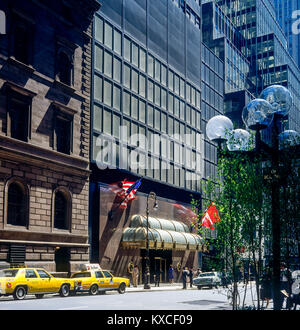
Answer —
(210, 279)
(94, 280)
(20, 282)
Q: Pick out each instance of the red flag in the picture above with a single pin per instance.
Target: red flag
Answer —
(210, 217)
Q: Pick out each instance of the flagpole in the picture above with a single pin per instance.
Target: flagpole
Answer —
(111, 212)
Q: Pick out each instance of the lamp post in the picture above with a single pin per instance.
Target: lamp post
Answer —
(151, 195)
(271, 108)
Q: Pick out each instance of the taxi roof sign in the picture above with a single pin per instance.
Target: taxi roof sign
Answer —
(90, 267)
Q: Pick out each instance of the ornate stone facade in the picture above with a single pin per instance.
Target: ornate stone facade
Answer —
(45, 68)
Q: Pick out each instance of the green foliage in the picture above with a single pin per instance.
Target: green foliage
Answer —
(238, 192)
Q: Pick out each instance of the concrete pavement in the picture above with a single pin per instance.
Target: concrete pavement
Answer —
(161, 287)
(250, 300)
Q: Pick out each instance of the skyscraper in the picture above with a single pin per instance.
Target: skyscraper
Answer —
(149, 116)
(288, 14)
(266, 49)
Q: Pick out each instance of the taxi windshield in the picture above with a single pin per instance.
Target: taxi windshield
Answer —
(8, 272)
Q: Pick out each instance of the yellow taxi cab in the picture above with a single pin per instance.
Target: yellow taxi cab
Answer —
(20, 282)
(93, 279)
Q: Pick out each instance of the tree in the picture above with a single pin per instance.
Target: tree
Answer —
(238, 191)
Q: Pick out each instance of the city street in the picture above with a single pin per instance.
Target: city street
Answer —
(157, 299)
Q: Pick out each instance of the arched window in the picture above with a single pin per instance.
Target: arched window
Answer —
(17, 201)
(64, 68)
(62, 210)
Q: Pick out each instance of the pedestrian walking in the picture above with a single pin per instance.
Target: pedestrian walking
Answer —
(171, 274)
(157, 277)
(135, 276)
(266, 287)
(199, 271)
(285, 285)
(191, 274)
(185, 274)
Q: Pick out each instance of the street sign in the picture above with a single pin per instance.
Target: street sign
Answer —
(2, 22)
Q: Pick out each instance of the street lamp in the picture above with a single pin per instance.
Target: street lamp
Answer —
(271, 107)
(151, 195)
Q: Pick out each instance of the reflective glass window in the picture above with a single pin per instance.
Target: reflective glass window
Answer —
(142, 86)
(151, 66)
(99, 29)
(117, 42)
(127, 74)
(134, 107)
(108, 64)
(142, 60)
(97, 118)
(135, 81)
(135, 54)
(99, 58)
(117, 98)
(117, 70)
(108, 35)
(107, 123)
(127, 49)
(107, 93)
(142, 111)
(150, 115)
(98, 85)
(126, 103)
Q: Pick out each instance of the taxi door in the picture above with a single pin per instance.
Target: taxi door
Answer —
(109, 282)
(48, 283)
(32, 281)
(103, 282)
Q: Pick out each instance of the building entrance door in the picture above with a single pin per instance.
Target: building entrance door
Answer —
(62, 259)
(160, 268)
(158, 260)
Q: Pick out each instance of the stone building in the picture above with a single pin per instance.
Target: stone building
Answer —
(45, 67)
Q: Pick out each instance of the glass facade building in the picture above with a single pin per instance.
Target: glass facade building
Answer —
(155, 86)
(146, 115)
(265, 47)
(287, 14)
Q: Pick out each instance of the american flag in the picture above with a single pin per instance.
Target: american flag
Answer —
(126, 191)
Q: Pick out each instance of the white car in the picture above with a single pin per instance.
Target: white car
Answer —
(211, 279)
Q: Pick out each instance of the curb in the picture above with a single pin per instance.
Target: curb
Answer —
(153, 289)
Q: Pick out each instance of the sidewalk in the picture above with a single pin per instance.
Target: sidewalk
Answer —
(161, 287)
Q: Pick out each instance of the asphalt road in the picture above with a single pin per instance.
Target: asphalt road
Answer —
(156, 300)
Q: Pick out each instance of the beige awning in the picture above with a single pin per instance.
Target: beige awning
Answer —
(163, 234)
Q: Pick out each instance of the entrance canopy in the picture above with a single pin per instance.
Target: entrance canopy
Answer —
(163, 234)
